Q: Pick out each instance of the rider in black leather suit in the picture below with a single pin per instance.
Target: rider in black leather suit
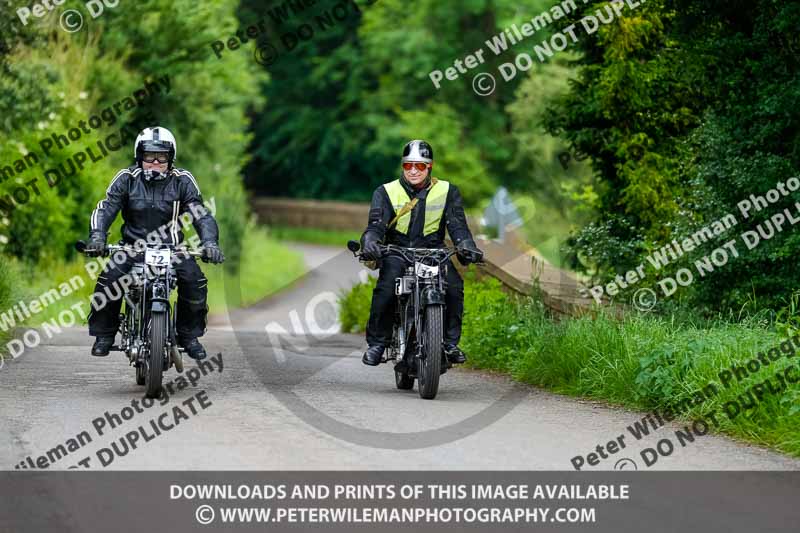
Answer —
(152, 195)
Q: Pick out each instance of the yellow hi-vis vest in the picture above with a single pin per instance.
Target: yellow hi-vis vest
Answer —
(434, 205)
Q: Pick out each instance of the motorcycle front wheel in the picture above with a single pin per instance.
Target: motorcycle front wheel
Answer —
(155, 359)
(429, 367)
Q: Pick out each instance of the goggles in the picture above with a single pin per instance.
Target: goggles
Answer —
(419, 166)
(153, 157)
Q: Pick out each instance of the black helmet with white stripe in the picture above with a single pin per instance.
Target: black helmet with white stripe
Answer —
(417, 150)
(156, 139)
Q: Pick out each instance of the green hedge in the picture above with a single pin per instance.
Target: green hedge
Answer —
(354, 307)
(8, 291)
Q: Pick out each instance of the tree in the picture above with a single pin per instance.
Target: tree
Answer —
(685, 108)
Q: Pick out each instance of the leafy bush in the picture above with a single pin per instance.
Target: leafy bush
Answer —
(724, 80)
(9, 293)
(51, 81)
(354, 306)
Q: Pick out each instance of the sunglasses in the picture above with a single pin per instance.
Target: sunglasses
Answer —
(418, 166)
(152, 157)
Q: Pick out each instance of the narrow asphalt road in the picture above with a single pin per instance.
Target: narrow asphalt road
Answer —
(292, 393)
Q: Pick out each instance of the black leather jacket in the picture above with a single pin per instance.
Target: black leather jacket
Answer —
(149, 206)
(381, 213)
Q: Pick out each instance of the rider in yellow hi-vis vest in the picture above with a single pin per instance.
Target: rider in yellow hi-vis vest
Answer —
(434, 207)
(414, 211)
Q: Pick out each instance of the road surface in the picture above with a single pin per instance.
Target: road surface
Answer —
(306, 401)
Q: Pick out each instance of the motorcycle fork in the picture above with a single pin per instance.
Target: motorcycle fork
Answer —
(143, 318)
(418, 322)
(160, 295)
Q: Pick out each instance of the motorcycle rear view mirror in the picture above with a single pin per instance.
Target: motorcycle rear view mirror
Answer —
(353, 246)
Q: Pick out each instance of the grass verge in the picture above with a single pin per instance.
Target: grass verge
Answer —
(267, 266)
(313, 235)
(10, 278)
(642, 362)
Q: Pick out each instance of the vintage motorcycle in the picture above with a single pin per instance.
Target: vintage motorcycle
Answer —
(418, 332)
(147, 320)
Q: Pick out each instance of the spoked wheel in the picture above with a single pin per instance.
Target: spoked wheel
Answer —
(429, 367)
(155, 359)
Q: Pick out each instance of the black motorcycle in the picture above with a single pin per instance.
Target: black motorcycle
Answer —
(416, 346)
(147, 320)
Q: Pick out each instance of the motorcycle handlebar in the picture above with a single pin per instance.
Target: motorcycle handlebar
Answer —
(109, 249)
(432, 251)
(404, 252)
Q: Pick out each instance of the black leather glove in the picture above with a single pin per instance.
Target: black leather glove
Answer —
(372, 249)
(212, 253)
(95, 245)
(467, 252)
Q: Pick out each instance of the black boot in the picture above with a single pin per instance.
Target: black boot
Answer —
(193, 348)
(373, 355)
(454, 354)
(102, 345)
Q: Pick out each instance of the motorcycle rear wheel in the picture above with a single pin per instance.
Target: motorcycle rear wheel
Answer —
(141, 379)
(403, 380)
(138, 365)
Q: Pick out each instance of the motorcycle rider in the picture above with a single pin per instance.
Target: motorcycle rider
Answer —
(420, 224)
(152, 194)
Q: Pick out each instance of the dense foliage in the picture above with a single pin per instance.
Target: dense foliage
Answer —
(682, 107)
(687, 108)
(343, 103)
(52, 80)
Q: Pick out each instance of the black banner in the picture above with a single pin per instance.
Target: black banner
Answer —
(400, 501)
